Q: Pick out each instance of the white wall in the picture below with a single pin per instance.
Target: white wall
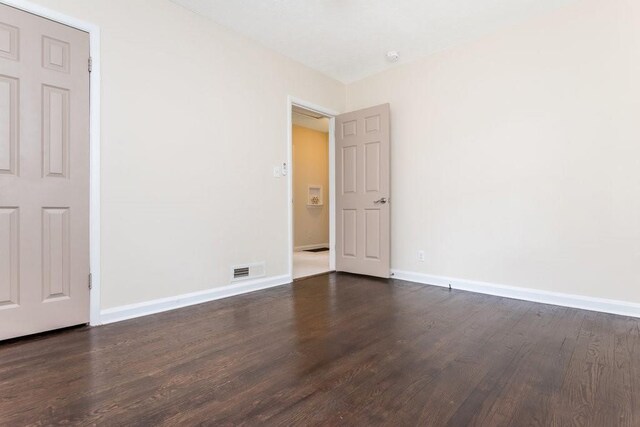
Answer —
(516, 158)
(187, 181)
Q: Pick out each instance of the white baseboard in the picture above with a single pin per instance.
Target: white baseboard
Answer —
(307, 247)
(546, 297)
(117, 314)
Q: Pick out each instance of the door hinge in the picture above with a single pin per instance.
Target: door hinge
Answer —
(90, 281)
(90, 64)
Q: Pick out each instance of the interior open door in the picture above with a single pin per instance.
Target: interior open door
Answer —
(44, 174)
(363, 237)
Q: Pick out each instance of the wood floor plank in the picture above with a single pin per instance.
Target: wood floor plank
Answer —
(336, 349)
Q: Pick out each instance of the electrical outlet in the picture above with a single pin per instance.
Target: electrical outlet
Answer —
(276, 172)
(421, 256)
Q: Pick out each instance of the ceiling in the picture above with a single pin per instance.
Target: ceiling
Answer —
(348, 39)
(321, 124)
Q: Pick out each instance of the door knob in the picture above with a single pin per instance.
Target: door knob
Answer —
(382, 201)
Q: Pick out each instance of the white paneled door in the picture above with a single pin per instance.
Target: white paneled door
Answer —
(44, 174)
(363, 192)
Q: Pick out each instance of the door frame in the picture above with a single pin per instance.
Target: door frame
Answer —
(331, 114)
(94, 139)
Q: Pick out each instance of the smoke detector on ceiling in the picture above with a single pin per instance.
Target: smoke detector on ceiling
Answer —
(393, 56)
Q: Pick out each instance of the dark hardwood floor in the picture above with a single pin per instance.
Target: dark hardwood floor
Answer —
(334, 350)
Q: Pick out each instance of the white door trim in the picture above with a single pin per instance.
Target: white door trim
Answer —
(291, 101)
(94, 138)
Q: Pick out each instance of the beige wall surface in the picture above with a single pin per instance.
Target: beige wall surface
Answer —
(187, 182)
(310, 167)
(516, 158)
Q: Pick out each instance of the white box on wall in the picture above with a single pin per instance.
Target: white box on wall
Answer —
(314, 197)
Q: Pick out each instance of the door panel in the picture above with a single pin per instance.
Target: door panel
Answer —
(55, 253)
(55, 144)
(9, 256)
(44, 174)
(372, 167)
(349, 236)
(372, 233)
(363, 183)
(8, 125)
(349, 169)
(8, 41)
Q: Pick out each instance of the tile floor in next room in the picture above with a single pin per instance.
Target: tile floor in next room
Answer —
(307, 263)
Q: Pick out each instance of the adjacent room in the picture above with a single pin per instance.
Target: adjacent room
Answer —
(310, 170)
(356, 212)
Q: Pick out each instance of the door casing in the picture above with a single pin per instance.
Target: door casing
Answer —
(94, 139)
(331, 114)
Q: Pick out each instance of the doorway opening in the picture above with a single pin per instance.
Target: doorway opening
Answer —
(311, 190)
